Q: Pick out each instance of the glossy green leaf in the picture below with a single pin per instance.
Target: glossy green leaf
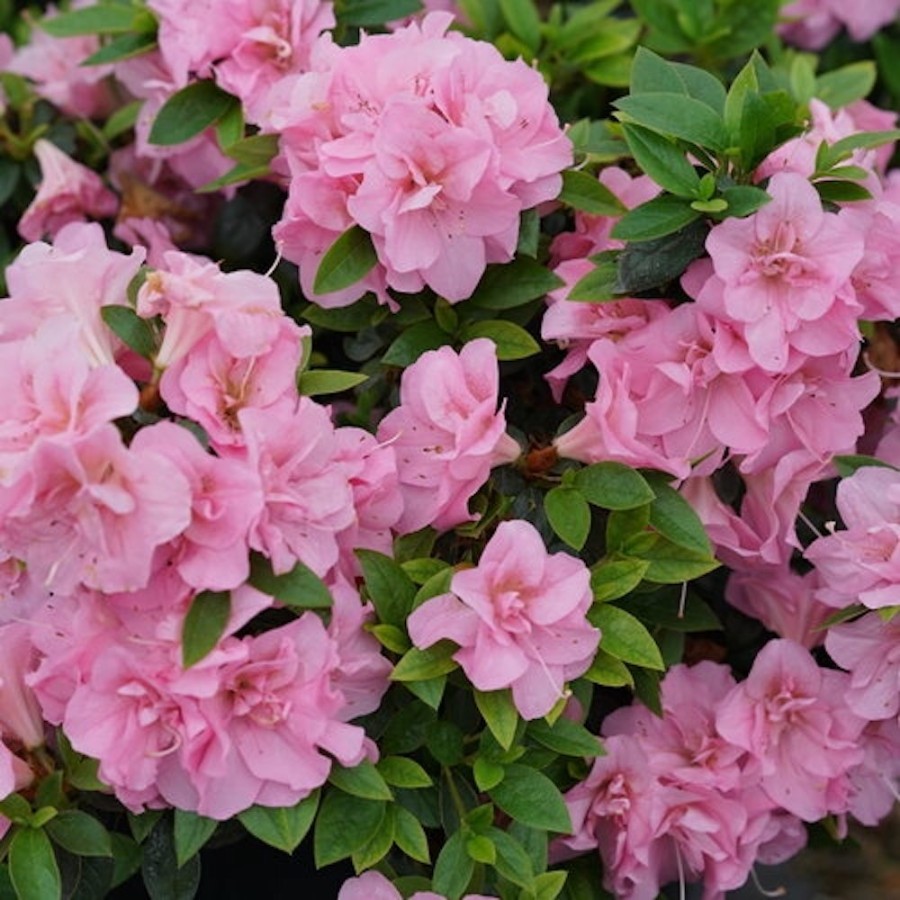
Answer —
(512, 341)
(611, 579)
(676, 115)
(608, 671)
(662, 160)
(413, 342)
(420, 665)
(584, 192)
(453, 868)
(315, 382)
(300, 588)
(656, 218)
(500, 714)
(363, 781)
(32, 866)
(79, 833)
(130, 328)
(344, 825)
(569, 515)
(530, 797)
(204, 625)
(513, 284)
(188, 112)
(350, 258)
(375, 12)
(281, 827)
(389, 587)
(565, 737)
(625, 637)
(613, 485)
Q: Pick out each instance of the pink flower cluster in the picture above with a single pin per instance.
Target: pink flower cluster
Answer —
(519, 618)
(812, 24)
(728, 774)
(431, 141)
(105, 543)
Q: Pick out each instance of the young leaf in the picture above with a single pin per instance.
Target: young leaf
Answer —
(204, 625)
(512, 341)
(350, 258)
(130, 328)
(531, 798)
(32, 866)
(584, 192)
(608, 671)
(300, 587)
(390, 588)
(363, 781)
(256, 150)
(664, 162)
(190, 832)
(513, 284)
(281, 827)
(656, 218)
(188, 112)
(501, 716)
(121, 120)
(625, 637)
(569, 515)
(613, 485)
(315, 382)
(344, 825)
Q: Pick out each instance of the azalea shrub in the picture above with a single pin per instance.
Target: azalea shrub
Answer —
(460, 438)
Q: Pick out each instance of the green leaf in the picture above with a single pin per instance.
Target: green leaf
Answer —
(375, 12)
(866, 140)
(847, 464)
(600, 284)
(191, 831)
(652, 264)
(188, 112)
(453, 869)
(141, 826)
(651, 74)
(743, 199)
(430, 691)
(549, 885)
(671, 564)
(300, 588)
(315, 382)
(513, 862)
(10, 172)
(488, 774)
(351, 257)
(16, 808)
(608, 671)
(122, 119)
(615, 578)
(413, 342)
(390, 588)
(32, 866)
(646, 689)
(675, 115)
(356, 317)
(623, 526)
(162, 877)
(103, 18)
(613, 485)
(531, 798)
(841, 87)
(123, 46)
(420, 665)
(524, 21)
(378, 846)
(79, 833)
(421, 570)
(674, 518)
(625, 637)
(662, 160)
(565, 737)
(256, 150)
(363, 781)
(667, 612)
(569, 515)
(126, 858)
(281, 827)
(481, 849)
(240, 173)
(584, 192)
(756, 132)
(656, 218)
(204, 625)
(501, 716)
(344, 825)
(409, 835)
(230, 131)
(838, 191)
(512, 341)
(402, 772)
(513, 284)
(130, 328)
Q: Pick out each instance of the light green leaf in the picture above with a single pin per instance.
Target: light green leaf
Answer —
(613, 485)
(363, 781)
(32, 866)
(625, 637)
(608, 671)
(402, 772)
(614, 578)
(501, 716)
(281, 827)
(315, 382)
(409, 835)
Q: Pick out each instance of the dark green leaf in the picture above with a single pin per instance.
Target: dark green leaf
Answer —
(413, 342)
(453, 869)
(838, 191)
(420, 665)
(616, 578)
(142, 825)
(656, 218)
(79, 833)
(613, 485)
(123, 46)
(130, 328)
(230, 130)
(565, 737)
(666, 612)
(651, 264)
(623, 526)
(599, 285)
(390, 588)
(9, 178)
(651, 74)
(122, 119)
(204, 625)
(281, 827)
(625, 637)
(352, 318)
(103, 18)
(239, 174)
(676, 115)
(344, 825)
(583, 191)
(429, 691)
(608, 671)
(501, 716)
(315, 382)
(513, 862)
(350, 258)
(514, 284)
(16, 808)
(512, 341)
(376, 12)
(569, 515)
(188, 112)
(701, 85)
(744, 199)
(159, 868)
(662, 160)
(532, 798)
(300, 587)
(446, 743)
(126, 857)
(756, 132)
(32, 866)
(191, 831)
(363, 781)
(674, 518)
(848, 464)
(646, 688)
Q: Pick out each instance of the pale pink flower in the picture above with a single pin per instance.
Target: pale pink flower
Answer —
(91, 511)
(15, 774)
(68, 192)
(447, 434)
(372, 885)
(20, 714)
(876, 780)
(811, 24)
(519, 618)
(780, 271)
(791, 716)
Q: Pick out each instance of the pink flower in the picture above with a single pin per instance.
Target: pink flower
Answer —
(68, 192)
(792, 717)
(20, 714)
(447, 434)
(15, 774)
(876, 780)
(780, 271)
(811, 24)
(519, 618)
(372, 885)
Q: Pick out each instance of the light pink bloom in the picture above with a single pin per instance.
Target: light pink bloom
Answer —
(876, 780)
(519, 618)
(20, 714)
(68, 192)
(15, 774)
(862, 563)
(781, 269)
(792, 717)
(447, 434)
(91, 511)
(372, 885)
(811, 24)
